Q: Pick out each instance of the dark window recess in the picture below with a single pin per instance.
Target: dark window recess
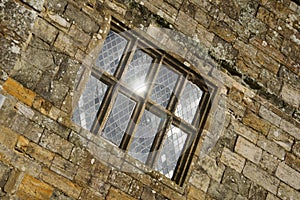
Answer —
(145, 102)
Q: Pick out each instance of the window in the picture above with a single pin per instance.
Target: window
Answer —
(145, 102)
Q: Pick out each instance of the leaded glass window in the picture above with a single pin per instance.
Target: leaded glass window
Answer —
(145, 102)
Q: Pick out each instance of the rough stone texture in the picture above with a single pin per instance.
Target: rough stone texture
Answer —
(286, 192)
(31, 188)
(248, 49)
(261, 177)
(232, 160)
(248, 150)
(288, 175)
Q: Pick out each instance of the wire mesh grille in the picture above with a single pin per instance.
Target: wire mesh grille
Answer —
(89, 103)
(118, 119)
(137, 71)
(188, 102)
(164, 86)
(144, 136)
(171, 151)
(111, 52)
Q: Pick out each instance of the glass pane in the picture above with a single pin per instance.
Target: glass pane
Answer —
(111, 52)
(188, 102)
(164, 86)
(137, 72)
(118, 119)
(144, 136)
(171, 151)
(89, 103)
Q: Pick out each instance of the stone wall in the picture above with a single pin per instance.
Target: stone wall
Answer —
(248, 48)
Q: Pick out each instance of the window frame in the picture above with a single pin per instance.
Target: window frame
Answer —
(160, 57)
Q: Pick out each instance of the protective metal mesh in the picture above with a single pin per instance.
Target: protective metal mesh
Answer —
(118, 119)
(188, 102)
(89, 103)
(171, 150)
(137, 71)
(144, 136)
(111, 52)
(164, 86)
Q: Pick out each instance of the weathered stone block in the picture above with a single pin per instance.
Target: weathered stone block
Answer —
(267, 17)
(296, 148)
(256, 192)
(245, 131)
(91, 194)
(292, 161)
(288, 175)
(27, 74)
(40, 154)
(182, 19)
(200, 180)
(222, 30)
(4, 174)
(213, 169)
(44, 30)
(61, 183)
(32, 188)
(271, 147)
(36, 4)
(57, 6)
(136, 189)
(66, 44)
(281, 138)
(269, 115)
(290, 128)
(232, 160)
(79, 36)
(205, 37)
(291, 95)
(193, 194)
(269, 162)
(271, 197)
(63, 167)
(8, 137)
(202, 18)
(18, 19)
(236, 181)
(85, 22)
(120, 180)
(61, 22)
(17, 90)
(248, 150)
(288, 193)
(56, 144)
(220, 191)
(117, 194)
(255, 122)
(261, 177)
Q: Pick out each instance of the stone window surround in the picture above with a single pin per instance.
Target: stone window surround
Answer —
(211, 87)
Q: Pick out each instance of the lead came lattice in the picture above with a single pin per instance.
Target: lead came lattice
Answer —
(171, 150)
(144, 136)
(89, 103)
(111, 52)
(188, 102)
(118, 119)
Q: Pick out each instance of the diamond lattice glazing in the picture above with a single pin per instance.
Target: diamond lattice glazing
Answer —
(171, 150)
(164, 86)
(89, 103)
(118, 119)
(144, 136)
(188, 102)
(111, 52)
(137, 71)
